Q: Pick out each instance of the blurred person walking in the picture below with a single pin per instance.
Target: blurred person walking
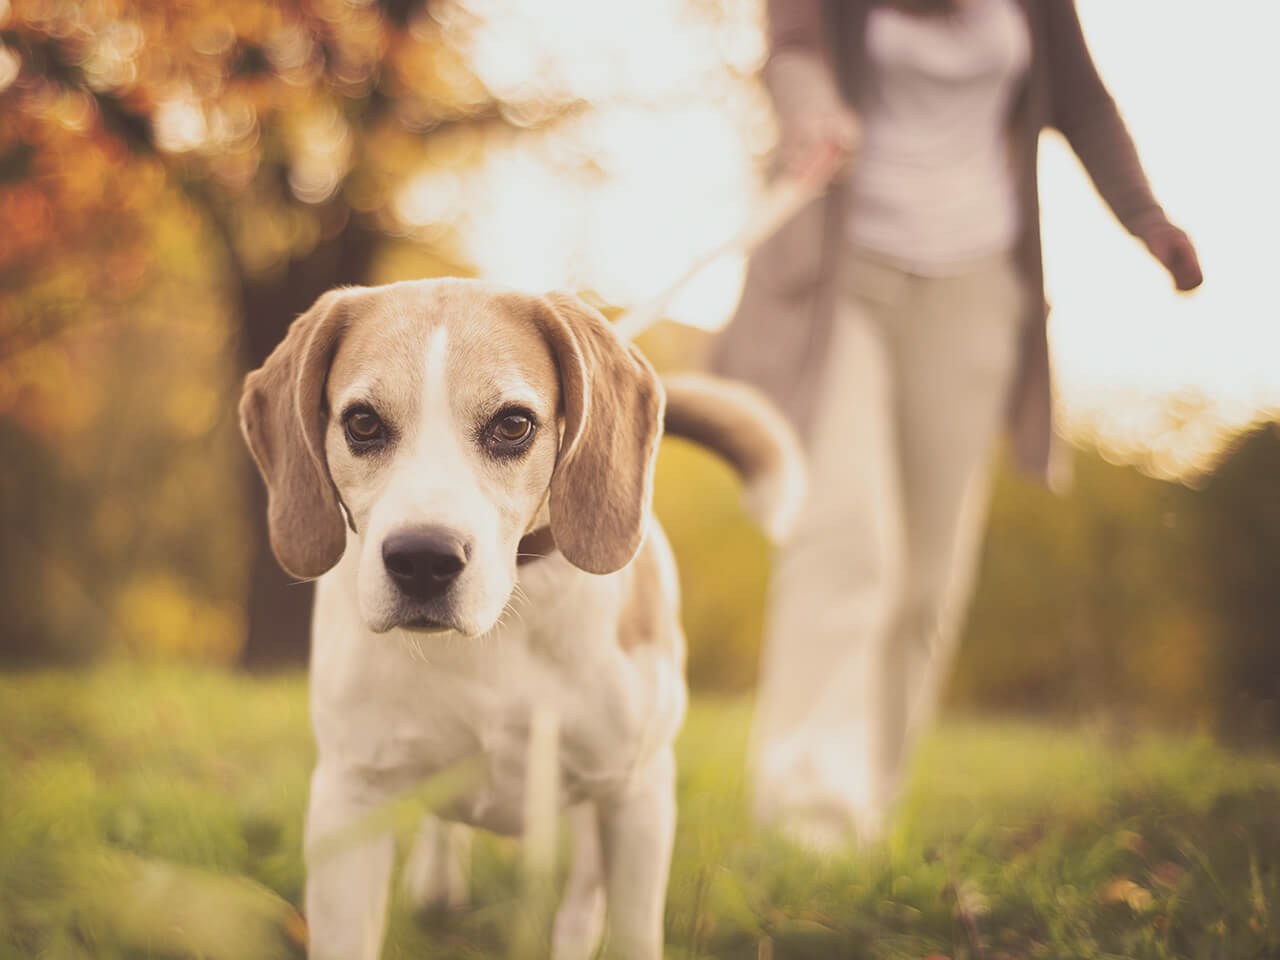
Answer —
(898, 320)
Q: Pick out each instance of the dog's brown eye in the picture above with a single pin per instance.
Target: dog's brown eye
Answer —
(510, 433)
(363, 426)
(513, 428)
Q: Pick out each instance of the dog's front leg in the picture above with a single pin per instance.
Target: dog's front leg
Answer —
(348, 868)
(637, 829)
(580, 919)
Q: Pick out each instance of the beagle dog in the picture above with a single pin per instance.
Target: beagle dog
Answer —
(468, 470)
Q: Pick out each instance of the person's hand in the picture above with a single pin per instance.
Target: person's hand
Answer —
(1173, 248)
(815, 125)
(817, 135)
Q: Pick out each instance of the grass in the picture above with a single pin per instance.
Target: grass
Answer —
(158, 812)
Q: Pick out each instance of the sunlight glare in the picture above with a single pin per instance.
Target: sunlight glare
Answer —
(668, 162)
(1127, 348)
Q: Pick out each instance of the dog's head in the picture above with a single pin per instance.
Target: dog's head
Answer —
(435, 420)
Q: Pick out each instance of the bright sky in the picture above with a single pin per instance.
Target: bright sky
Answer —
(1197, 84)
(666, 167)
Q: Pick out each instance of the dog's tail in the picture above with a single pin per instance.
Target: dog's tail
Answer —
(741, 425)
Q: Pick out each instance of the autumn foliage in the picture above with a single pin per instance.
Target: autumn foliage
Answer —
(241, 157)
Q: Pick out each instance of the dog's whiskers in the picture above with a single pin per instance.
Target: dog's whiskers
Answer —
(414, 645)
(518, 596)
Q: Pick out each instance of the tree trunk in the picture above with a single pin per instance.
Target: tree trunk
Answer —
(279, 608)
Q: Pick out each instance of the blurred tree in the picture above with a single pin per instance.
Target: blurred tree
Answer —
(1241, 506)
(122, 531)
(27, 500)
(289, 128)
(1095, 605)
(1135, 598)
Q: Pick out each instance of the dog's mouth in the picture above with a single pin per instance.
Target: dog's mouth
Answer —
(426, 625)
(442, 615)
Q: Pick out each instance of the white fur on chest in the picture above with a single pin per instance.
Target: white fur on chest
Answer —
(396, 708)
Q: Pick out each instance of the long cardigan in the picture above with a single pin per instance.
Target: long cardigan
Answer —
(779, 335)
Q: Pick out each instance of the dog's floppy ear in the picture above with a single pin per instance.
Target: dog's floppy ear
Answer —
(283, 417)
(602, 486)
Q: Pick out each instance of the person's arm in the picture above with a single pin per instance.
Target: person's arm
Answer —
(796, 25)
(1084, 111)
(812, 116)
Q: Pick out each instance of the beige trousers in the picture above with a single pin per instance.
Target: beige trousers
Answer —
(866, 600)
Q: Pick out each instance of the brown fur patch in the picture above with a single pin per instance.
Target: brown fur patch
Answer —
(283, 421)
(645, 618)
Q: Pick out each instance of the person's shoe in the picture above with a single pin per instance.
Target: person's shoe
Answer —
(821, 830)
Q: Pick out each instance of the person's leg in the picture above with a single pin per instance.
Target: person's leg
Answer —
(955, 352)
(834, 586)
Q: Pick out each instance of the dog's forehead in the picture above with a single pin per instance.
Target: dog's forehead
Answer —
(490, 335)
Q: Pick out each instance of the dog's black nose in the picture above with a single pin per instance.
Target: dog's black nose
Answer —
(425, 560)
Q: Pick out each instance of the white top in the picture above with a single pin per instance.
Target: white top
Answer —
(932, 182)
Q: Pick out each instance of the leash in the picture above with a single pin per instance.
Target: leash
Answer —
(782, 200)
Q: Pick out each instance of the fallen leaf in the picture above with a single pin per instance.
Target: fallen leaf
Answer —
(1168, 874)
(1124, 890)
(1117, 890)
(295, 927)
(1139, 899)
